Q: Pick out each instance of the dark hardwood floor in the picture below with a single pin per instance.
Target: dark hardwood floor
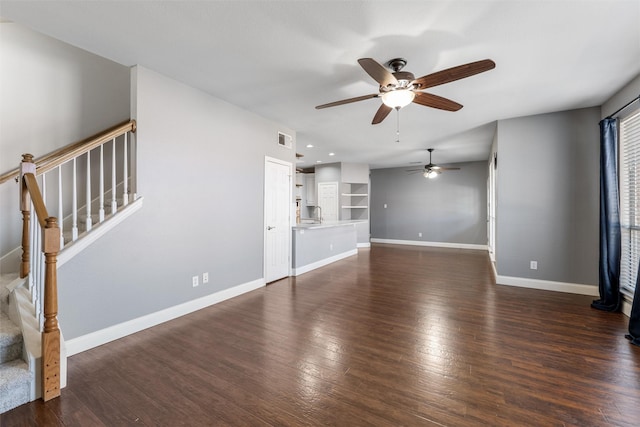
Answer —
(395, 336)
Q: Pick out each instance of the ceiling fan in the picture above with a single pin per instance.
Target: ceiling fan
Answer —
(431, 171)
(400, 88)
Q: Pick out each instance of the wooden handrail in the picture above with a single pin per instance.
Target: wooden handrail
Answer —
(58, 157)
(49, 231)
(36, 198)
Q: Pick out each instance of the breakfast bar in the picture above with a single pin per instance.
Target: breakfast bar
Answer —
(318, 244)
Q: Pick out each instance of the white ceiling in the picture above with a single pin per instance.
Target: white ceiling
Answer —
(279, 59)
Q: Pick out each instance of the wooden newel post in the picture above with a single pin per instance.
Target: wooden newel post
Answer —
(51, 333)
(27, 166)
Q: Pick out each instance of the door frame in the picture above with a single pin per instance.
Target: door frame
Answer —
(290, 209)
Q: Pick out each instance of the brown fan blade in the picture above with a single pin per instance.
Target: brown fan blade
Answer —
(378, 72)
(347, 101)
(449, 169)
(435, 101)
(381, 114)
(454, 73)
(414, 170)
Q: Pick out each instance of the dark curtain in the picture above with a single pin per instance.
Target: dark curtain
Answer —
(610, 247)
(634, 318)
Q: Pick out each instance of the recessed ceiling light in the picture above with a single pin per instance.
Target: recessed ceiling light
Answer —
(309, 145)
(318, 161)
(332, 154)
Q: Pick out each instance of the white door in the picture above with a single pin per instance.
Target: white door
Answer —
(328, 200)
(277, 218)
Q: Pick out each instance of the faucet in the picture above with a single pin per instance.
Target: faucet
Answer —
(319, 213)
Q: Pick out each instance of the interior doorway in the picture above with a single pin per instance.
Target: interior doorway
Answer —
(277, 218)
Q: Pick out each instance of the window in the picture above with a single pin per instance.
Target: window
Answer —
(630, 201)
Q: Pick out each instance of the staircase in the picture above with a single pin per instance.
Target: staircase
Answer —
(16, 379)
(32, 353)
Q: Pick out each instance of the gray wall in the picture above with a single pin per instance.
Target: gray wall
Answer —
(312, 245)
(52, 94)
(201, 172)
(548, 196)
(451, 208)
(201, 168)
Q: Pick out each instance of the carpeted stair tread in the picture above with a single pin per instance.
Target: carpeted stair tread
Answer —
(5, 280)
(10, 340)
(15, 384)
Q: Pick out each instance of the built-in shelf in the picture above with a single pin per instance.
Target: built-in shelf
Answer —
(355, 201)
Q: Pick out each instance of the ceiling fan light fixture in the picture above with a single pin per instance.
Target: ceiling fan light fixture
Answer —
(430, 174)
(398, 98)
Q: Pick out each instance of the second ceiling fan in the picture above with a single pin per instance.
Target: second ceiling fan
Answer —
(400, 88)
(431, 171)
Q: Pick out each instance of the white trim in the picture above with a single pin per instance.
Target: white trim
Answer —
(626, 306)
(103, 336)
(364, 245)
(306, 268)
(434, 244)
(73, 249)
(571, 288)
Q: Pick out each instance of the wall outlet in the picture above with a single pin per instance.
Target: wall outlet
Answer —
(533, 265)
(194, 281)
(385, 206)
(205, 277)
(330, 246)
(419, 234)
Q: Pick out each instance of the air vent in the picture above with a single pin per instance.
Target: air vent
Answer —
(285, 140)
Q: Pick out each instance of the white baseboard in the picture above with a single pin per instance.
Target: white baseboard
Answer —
(306, 268)
(571, 288)
(95, 339)
(364, 245)
(433, 244)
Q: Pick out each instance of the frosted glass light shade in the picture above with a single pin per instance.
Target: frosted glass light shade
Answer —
(398, 98)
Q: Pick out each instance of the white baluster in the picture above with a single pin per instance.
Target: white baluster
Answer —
(88, 198)
(43, 186)
(60, 210)
(74, 205)
(35, 256)
(41, 274)
(125, 169)
(101, 178)
(32, 244)
(114, 200)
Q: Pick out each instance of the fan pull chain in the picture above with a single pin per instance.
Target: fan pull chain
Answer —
(398, 125)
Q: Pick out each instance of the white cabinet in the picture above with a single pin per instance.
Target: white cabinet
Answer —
(310, 189)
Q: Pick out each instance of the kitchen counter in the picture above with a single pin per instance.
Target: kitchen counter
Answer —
(319, 244)
(314, 225)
